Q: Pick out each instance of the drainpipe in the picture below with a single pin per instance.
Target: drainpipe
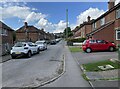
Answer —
(119, 52)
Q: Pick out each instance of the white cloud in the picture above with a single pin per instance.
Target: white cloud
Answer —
(60, 27)
(50, 27)
(92, 12)
(117, 1)
(34, 17)
(15, 11)
(21, 12)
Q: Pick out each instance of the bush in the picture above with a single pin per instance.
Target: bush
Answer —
(77, 40)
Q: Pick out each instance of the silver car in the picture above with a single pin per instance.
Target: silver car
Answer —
(42, 44)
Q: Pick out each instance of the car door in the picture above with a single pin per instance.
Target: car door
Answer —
(93, 45)
(32, 47)
(102, 45)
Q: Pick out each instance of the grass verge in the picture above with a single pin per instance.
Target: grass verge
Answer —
(91, 67)
(75, 49)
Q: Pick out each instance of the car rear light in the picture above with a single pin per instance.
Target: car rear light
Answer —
(26, 48)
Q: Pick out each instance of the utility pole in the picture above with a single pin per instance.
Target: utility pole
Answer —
(66, 23)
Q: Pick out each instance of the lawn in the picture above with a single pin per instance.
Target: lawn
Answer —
(75, 49)
(94, 66)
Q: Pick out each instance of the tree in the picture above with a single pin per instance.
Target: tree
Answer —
(68, 32)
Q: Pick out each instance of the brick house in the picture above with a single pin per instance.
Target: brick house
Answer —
(6, 38)
(29, 33)
(107, 26)
(76, 33)
(83, 29)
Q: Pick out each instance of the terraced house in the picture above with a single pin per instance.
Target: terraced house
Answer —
(6, 38)
(107, 26)
(83, 29)
(31, 33)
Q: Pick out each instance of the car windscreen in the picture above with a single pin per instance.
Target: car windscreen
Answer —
(19, 44)
(39, 43)
(84, 42)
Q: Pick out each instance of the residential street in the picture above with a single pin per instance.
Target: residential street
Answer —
(73, 75)
(30, 71)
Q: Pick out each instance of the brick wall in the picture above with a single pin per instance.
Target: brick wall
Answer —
(106, 34)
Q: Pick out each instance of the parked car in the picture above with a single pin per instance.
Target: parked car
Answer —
(97, 45)
(53, 42)
(42, 44)
(24, 48)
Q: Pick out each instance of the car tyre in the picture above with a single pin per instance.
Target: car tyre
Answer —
(88, 50)
(29, 54)
(13, 57)
(38, 51)
(111, 49)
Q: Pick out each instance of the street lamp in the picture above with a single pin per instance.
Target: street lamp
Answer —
(66, 23)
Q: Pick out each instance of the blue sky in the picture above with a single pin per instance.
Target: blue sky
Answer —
(50, 15)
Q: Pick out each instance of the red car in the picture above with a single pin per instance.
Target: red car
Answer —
(97, 45)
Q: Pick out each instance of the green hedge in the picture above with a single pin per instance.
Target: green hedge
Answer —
(77, 40)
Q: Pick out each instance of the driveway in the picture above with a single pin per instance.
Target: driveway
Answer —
(84, 58)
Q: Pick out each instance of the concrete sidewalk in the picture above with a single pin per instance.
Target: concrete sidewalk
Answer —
(5, 58)
(104, 78)
(73, 75)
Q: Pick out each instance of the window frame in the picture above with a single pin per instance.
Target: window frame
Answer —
(117, 34)
(3, 32)
(102, 21)
(118, 15)
(94, 26)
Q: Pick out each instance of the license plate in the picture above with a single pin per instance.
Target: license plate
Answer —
(18, 53)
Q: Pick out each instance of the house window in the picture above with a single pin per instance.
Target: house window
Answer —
(3, 32)
(117, 34)
(94, 26)
(118, 13)
(102, 21)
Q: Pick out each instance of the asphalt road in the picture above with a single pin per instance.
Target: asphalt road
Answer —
(26, 71)
(73, 75)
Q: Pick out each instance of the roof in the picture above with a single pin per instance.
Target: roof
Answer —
(109, 11)
(87, 23)
(5, 26)
(101, 28)
(30, 28)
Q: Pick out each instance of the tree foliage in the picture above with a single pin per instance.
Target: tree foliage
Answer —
(68, 32)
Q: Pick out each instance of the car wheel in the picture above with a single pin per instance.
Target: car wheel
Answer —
(13, 57)
(111, 49)
(38, 51)
(29, 54)
(88, 50)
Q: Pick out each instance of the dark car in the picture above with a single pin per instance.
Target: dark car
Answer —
(53, 42)
(97, 45)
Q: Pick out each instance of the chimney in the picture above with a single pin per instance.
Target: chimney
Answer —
(111, 4)
(26, 24)
(88, 18)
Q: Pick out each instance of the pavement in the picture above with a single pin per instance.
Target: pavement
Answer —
(99, 79)
(5, 58)
(73, 75)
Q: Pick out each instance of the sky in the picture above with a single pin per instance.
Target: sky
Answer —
(51, 16)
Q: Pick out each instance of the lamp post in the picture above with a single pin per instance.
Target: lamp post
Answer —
(66, 23)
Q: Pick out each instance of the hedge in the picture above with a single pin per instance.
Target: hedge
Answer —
(76, 40)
